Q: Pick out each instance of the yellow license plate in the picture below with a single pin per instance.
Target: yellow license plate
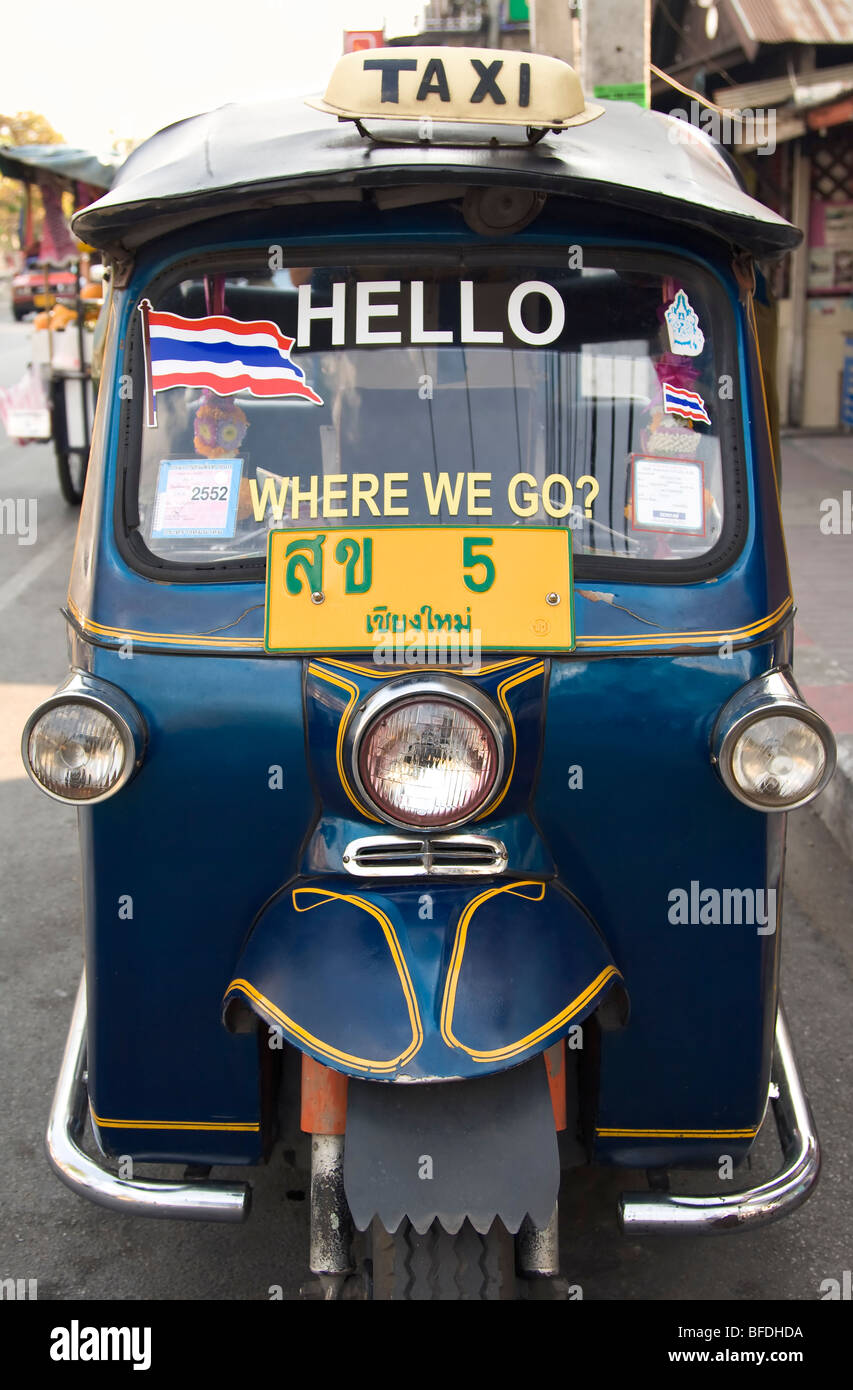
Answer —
(504, 588)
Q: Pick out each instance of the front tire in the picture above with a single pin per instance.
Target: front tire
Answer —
(71, 468)
(443, 1268)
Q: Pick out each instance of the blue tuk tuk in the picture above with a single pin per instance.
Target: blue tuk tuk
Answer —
(431, 717)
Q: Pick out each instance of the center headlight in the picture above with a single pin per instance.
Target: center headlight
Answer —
(430, 760)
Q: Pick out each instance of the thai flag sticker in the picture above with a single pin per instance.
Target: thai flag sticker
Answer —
(688, 404)
(222, 354)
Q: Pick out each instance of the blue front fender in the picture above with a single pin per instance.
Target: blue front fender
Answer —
(422, 984)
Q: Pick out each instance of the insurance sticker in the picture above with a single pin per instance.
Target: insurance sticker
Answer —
(668, 495)
(196, 498)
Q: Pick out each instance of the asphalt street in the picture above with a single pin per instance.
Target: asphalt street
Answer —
(76, 1250)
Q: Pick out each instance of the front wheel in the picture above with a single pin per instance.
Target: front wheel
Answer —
(440, 1267)
(71, 467)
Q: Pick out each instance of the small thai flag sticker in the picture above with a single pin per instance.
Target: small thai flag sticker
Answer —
(688, 404)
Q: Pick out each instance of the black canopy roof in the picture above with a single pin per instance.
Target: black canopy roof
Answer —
(260, 154)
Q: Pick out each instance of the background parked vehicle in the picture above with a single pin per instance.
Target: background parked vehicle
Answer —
(36, 288)
(58, 285)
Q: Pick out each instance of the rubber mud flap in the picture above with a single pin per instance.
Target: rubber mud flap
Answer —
(445, 1151)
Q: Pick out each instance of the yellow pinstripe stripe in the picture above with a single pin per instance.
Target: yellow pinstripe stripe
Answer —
(376, 674)
(689, 638)
(324, 896)
(504, 686)
(168, 638)
(352, 691)
(677, 1133)
(558, 1021)
(589, 643)
(236, 1127)
(448, 1003)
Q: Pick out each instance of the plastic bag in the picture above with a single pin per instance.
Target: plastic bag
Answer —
(24, 408)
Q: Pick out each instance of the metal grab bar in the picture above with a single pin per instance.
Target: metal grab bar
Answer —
(195, 1201)
(643, 1213)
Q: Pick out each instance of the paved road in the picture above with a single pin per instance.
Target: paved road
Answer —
(78, 1251)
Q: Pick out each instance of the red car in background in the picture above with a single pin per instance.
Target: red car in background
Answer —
(29, 292)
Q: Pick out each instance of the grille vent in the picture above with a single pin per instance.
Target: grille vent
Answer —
(411, 856)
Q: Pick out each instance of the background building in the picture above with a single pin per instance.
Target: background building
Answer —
(781, 71)
(788, 63)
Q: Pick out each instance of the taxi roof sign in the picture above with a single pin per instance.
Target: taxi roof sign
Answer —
(479, 85)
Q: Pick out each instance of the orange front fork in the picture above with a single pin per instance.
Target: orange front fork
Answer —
(324, 1093)
(324, 1098)
(555, 1066)
(324, 1117)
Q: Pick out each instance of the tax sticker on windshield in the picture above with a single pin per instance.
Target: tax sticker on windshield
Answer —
(196, 498)
(682, 322)
(668, 495)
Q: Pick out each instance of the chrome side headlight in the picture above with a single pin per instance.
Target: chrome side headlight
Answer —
(428, 752)
(83, 743)
(772, 750)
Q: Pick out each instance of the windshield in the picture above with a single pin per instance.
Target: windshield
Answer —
(584, 395)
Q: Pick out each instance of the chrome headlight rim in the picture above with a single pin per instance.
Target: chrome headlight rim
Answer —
(774, 694)
(404, 690)
(93, 693)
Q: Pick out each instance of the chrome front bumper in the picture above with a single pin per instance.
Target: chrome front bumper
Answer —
(194, 1201)
(640, 1213)
(643, 1213)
